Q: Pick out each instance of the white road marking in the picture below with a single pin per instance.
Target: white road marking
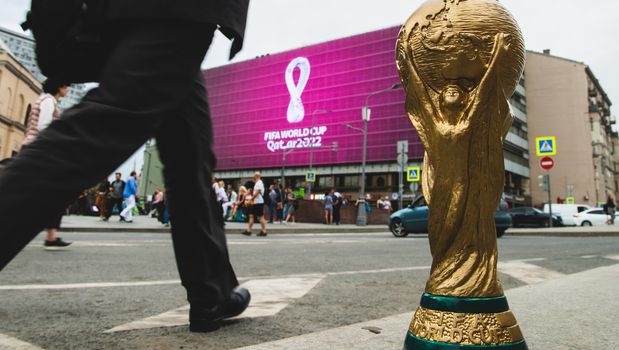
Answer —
(612, 257)
(527, 273)
(164, 282)
(10, 343)
(88, 285)
(269, 297)
(589, 256)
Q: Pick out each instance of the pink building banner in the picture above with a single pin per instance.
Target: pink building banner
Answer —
(289, 101)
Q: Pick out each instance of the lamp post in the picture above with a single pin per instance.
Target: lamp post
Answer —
(362, 219)
(311, 147)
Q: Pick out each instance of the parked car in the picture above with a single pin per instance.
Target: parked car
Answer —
(414, 219)
(533, 217)
(593, 217)
(567, 211)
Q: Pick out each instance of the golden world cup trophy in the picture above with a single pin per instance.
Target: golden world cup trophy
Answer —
(460, 61)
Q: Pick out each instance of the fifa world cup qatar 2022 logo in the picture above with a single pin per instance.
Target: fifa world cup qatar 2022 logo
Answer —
(296, 111)
(296, 137)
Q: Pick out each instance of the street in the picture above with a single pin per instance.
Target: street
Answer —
(121, 290)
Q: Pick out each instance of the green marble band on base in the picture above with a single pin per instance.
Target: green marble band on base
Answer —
(465, 305)
(414, 343)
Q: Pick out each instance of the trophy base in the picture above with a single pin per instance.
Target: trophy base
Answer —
(446, 323)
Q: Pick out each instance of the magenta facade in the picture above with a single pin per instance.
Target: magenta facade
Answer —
(263, 106)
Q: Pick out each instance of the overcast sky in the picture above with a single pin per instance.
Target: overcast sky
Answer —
(580, 30)
(585, 31)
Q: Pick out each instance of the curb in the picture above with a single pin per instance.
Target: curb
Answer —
(228, 231)
(563, 234)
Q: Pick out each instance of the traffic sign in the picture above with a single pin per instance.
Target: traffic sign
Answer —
(395, 196)
(310, 176)
(547, 163)
(546, 146)
(570, 200)
(413, 174)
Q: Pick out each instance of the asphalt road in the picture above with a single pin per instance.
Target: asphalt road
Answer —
(301, 284)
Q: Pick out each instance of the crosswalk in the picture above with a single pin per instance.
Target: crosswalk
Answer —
(272, 294)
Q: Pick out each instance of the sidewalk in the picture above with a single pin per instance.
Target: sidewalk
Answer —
(578, 311)
(144, 224)
(572, 231)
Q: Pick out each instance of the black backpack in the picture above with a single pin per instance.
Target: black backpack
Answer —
(68, 40)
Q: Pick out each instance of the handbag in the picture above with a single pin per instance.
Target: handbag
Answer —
(68, 38)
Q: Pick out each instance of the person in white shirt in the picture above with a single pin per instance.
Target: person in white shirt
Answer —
(44, 112)
(230, 203)
(222, 196)
(257, 209)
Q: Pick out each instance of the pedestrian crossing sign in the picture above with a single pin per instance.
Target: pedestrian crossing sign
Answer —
(310, 176)
(570, 200)
(546, 146)
(413, 174)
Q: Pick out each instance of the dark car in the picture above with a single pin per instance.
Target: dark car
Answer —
(414, 219)
(533, 217)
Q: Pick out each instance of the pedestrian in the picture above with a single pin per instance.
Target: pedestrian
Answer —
(239, 203)
(159, 205)
(103, 191)
(131, 191)
(337, 205)
(256, 207)
(291, 205)
(285, 210)
(328, 208)
(229, 205)
(386, 204)
(42, 115)
(150, 85)
(610, 209)
(271, 202)
(279, 203)
(117, 189)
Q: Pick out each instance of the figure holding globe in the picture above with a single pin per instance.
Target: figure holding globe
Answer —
(460, 61)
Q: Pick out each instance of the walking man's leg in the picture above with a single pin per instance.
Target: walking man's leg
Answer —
(184, 143)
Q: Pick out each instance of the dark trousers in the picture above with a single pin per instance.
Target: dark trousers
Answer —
(272, 211)
(336, 213)
(151, 86)
(113, 203)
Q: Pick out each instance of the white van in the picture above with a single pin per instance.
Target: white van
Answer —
(567, 211)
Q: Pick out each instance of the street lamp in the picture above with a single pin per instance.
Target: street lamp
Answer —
(362, 219)
(311, 147)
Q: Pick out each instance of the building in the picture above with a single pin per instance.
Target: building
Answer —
(566, 100)
(19, 89)
(516, 151)
(287, 112)
(23, 49)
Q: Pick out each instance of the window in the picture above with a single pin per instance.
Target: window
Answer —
(597, 212)
(27, 116)
(22, 103)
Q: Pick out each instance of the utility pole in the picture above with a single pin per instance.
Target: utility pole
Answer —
(549, 200)
(362, 219)
(402, 162)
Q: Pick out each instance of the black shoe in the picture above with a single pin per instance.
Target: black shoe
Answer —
(121, 219)
(246, 233)
(262, 234)
(211, 319)
(56, 244)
